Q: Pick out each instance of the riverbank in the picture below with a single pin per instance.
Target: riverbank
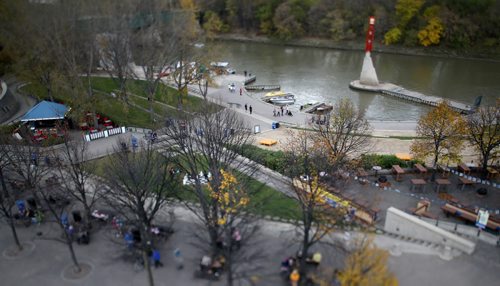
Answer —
(358, 45)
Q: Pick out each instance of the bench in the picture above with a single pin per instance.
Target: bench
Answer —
(398, 170)
(462, 167)
(421, 169)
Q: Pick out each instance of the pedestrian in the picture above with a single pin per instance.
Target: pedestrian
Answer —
(156, 258)
(246, 107)
(245, 72)
(241, 91)
(250, 109)
(282, 111)
(274, 112)
(179, 261)
(295, 277)
(237, 238)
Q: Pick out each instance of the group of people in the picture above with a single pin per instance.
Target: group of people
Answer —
(282, 111)
(212, 266)
(289, 266)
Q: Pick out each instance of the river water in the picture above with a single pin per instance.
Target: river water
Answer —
(317, 74)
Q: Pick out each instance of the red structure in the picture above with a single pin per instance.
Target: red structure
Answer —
(370, 35)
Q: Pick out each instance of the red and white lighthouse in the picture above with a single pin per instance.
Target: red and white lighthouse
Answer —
(368, 73)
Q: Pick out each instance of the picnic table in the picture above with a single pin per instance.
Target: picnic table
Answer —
(492, 173)
(462, 167)
(398, 170)
(418, 183)
(421, 169)
(442, 182)
(464, 182)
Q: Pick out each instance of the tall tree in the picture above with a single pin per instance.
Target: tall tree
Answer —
(483, 132)
(317, 216)
(74, 172)
(344, 134)
(441, 133)
(200, 144)
(139, 186)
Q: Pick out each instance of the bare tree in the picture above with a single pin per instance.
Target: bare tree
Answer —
(307, 167)
(139, 186)
(7, 197)
(57, 201)
(201, 144)
(345, 133)
(74, 172)
(483, 130)
(114, 43)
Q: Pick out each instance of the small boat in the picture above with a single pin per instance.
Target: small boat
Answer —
(282, 100)
(277, 94)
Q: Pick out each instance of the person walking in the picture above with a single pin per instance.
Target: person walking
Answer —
(179, 261)
(246, 107)
(250, 109)
(156, 258)
(241, 91)
(294, 277)
(282, 111)
(274, 112)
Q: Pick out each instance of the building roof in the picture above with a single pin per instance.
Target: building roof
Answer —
(46, 110)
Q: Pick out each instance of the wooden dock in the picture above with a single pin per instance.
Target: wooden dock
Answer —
(400, 92)
(262, 87)
(250, 79)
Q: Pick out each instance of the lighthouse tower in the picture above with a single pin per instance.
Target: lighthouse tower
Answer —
(368, 73)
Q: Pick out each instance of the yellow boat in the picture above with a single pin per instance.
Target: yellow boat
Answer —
(277, 94)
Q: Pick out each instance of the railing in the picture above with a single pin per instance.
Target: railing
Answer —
(262, 87)
(104, 133)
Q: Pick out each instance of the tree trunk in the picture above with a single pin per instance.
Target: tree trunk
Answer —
(69, 242)
(434, 168)
(14, 233)
(485, 166)
(4, 186)
(147, 265)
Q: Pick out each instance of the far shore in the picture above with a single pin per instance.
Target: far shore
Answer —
(359, 46)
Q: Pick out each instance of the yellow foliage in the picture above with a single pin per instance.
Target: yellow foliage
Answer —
(392, 36)
(431, 34)
(230, 199)
(442, 131)
(188, 5)
(367, 266)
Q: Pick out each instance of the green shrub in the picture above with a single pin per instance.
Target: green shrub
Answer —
(274, 160)
(385, 161)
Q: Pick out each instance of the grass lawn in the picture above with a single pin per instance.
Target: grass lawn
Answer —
(264, 200)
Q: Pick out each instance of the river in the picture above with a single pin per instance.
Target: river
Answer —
(318, 74)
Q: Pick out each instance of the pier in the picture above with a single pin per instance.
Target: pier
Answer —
(263, 87)
(400, 92)
(249, 80)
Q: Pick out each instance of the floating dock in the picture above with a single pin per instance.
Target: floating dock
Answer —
(400, 92)
(250, 79)
(262, 87)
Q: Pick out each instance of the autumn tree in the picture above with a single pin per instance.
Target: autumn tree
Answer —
(306, 165)
(233, 220)
(367, 266)
(483, 132)
(406, 10)
(441, 133)
(139, 186)
(432, 33)
(344, 134)
(201, 144)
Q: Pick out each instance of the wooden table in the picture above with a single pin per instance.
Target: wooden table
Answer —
(442, 182)
(418, 182)
(421, 169)
(462, 167)
(492, 173)
(398, 170)
(465, 182)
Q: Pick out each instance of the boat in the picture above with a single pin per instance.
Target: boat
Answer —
(282, 100)
(277, 94)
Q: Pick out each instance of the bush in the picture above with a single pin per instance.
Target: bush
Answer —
(274, 160)
(384, 161)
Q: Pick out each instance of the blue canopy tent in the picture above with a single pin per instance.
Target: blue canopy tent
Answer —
(46, 110)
